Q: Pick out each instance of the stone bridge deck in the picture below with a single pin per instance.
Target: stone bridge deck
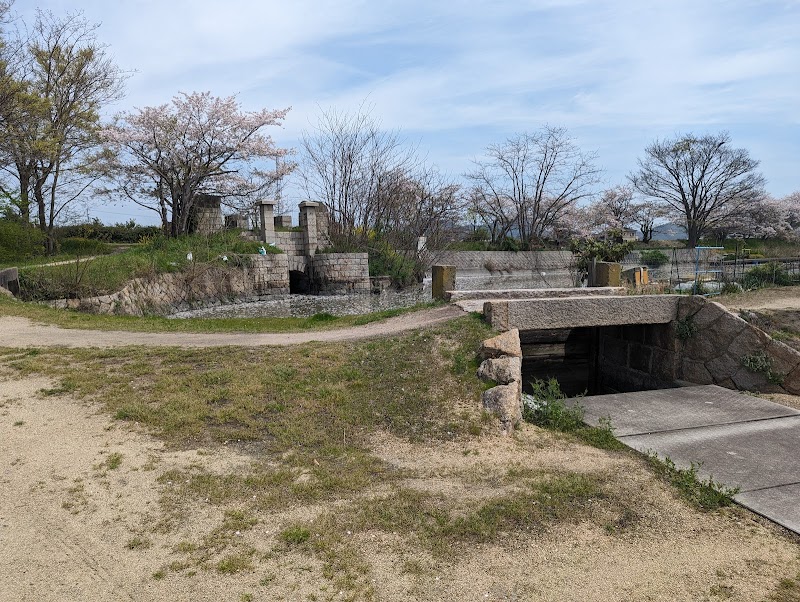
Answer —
(736, 439)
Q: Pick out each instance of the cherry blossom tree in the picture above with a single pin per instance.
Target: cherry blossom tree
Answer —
(163, 157)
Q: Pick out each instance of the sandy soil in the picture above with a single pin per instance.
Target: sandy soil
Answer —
(69, 524)
(779, 298)
(67, 521)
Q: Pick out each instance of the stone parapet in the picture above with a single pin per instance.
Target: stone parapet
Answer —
(573, 312)
(339, 273)
(535, 293)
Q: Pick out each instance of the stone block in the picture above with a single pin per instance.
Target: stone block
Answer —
(748, 341)
(664, 365)
(689, 305)
(505, 402)
(640, 356)
(545, 314)
(614, 352)
(723, 367)
(503, 344)
(745, 380)
(606, 274)
(695, 372)
(443, 278)
(502, 370)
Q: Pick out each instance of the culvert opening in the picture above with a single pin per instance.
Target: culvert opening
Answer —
(299, 283)
(601, 359)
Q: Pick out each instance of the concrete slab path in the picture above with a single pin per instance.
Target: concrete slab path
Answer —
(737, 439)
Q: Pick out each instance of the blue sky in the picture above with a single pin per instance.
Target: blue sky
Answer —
(457, 76)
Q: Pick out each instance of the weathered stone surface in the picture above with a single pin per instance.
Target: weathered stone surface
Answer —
(723, 367)
(689, 306)
(506, 343)
(505, 402)
(708, 314)
(5, 292)
(664, 365)
(572, 312)
(791, 382)
(535, 293)
(502, 370)
(745, 380)
(784, 358)
(749, 341)
(695, 372)
(443, 279)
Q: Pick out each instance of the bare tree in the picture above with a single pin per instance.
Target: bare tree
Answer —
(645, 215)
(50, 134)
(702, 179)
(539, 175)
(351, 165)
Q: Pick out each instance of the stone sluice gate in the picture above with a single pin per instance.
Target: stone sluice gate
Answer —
(613, 344)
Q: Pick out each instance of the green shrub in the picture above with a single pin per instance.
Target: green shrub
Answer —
(19, 241)
(654, 257)
(83, 246)
(588, 249)
(547, 408)
(768, 274)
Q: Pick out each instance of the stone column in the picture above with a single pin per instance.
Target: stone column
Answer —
(266, 210)
(308, 222)
(443, 278)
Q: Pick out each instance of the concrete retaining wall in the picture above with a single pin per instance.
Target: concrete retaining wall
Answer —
(340, 273)
(260, 276)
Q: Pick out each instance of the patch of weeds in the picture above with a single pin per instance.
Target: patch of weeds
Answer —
(67, 386)
(685, 329)
(267, 579)
(295, 535)
(235, 563)
(19, 423)
(547, 408)
(246, 598)
(159, 574)
(788, 590)
(113, 461)
(138, 543)
(761, 363)
(702, 493)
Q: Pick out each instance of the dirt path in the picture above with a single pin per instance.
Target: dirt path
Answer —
(787, 297)
(22, 332)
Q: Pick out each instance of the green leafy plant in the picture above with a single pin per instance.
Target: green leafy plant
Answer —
(685, 329)
(768, 274)
(703, 493)
(610, 249)
(654, 257)
(547, 407)
(762, 363)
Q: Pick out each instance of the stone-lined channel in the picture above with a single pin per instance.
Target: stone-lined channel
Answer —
(302, 306)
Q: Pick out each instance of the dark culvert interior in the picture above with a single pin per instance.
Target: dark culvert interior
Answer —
(600, 360)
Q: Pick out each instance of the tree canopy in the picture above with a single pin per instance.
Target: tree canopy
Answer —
(163, 157)
(702, 179)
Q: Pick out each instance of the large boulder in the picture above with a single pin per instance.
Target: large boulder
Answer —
(505, 402)
(502, 370)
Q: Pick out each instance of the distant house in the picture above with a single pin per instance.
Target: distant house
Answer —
(628, 235)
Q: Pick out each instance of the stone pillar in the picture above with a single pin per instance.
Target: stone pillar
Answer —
(308, 222)
(443, 278)
(266, 209)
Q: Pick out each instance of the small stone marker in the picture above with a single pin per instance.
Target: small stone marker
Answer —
(605, 273)
(443, 278)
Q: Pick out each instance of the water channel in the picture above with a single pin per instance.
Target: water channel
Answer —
(301, 306)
